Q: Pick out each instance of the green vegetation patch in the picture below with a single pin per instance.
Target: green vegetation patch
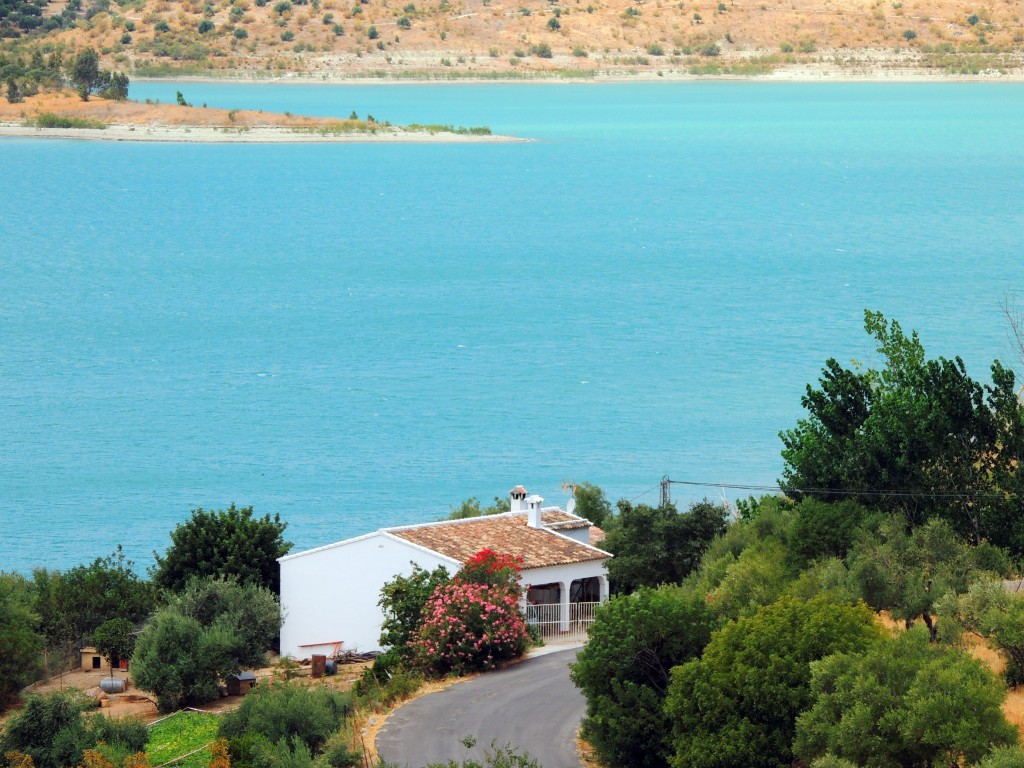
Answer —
(180, 734)
(51, 120)
(460, 130)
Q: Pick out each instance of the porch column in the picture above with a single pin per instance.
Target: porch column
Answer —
(563, 597)
(602, 582)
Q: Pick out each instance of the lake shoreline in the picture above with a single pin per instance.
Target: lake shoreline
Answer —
(186, 134)
(800, 73)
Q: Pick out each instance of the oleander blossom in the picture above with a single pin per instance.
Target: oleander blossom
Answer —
(475, 622)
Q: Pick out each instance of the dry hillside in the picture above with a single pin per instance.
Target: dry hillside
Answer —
(329, 39)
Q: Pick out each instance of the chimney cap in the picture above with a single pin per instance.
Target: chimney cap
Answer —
(518, 492)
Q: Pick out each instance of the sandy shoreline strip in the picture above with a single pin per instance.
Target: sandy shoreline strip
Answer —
(257, 135)
(809, 72)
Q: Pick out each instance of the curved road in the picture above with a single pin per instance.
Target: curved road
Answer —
(532, 705)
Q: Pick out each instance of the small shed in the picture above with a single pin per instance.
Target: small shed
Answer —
(240, 683)
(93, 660)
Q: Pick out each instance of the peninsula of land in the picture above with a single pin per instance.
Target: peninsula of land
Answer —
(64, 115)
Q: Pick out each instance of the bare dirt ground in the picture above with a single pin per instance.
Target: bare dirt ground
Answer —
(139, 704)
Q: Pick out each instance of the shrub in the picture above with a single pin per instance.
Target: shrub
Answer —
(287, 36)
(404, 22)
(205, 26)
(909, 34)
(240, 34)
(402, 600)
(372, 33)
(655, 50)
(543, 50)
(469, 627)
(738, 703)
(711, 49)
(126, 39)
(162, 26)
(925, 704)
(49, 730)
(287, 711)
(553, 24)
(624, 671)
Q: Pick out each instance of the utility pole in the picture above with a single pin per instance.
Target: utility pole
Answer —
(666, 491)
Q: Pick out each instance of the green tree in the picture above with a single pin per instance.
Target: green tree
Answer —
(908, 572)
(56, 623)
(117, 89)
(211, 629)
(229, 543)
(824, 529)
(178, 662)
(623, 671)
(13, 92)
(903, 702)
(738, 703)
(85, 72)
(107, 588)
(592, 504)
(114, 639)
(21, 642)
(472, 507)
(659, 545)
(987, 609)
(919, 437)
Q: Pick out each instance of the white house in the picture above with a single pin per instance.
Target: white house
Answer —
(329, 594)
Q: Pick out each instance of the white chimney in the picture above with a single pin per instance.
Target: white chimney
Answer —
(517, 499)
(533, 511)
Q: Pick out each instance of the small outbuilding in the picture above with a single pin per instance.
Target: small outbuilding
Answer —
(94, 661)
(241, 683)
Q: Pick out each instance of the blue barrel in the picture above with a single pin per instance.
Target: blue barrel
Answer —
(331, 667)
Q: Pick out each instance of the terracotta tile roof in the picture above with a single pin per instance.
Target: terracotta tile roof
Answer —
(597, 535)
(507, 534)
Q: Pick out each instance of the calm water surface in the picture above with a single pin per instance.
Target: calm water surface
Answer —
(358, 335)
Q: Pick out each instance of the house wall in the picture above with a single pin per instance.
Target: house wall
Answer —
(331, 593)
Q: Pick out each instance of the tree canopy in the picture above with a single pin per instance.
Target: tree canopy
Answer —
(213, 628)
(738, 703)
(624, 668)
(660, 545)
(918, 436)
(903, 702)
(19, 638)
(230, 543)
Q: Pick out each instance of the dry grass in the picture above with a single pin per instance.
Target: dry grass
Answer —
(481, 38)
(67, 103)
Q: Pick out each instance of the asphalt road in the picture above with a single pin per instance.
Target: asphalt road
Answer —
(532, 705)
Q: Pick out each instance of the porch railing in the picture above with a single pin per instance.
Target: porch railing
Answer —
(553, 624)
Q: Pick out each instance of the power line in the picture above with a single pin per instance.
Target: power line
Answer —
(666, 481)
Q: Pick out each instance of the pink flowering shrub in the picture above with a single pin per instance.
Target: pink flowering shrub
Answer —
(470, 626)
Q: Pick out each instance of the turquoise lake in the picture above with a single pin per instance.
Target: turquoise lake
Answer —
(359, 335)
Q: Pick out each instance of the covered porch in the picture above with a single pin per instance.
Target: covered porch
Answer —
(565, 609)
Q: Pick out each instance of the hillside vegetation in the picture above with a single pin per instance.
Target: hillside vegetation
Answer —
(327, 39)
